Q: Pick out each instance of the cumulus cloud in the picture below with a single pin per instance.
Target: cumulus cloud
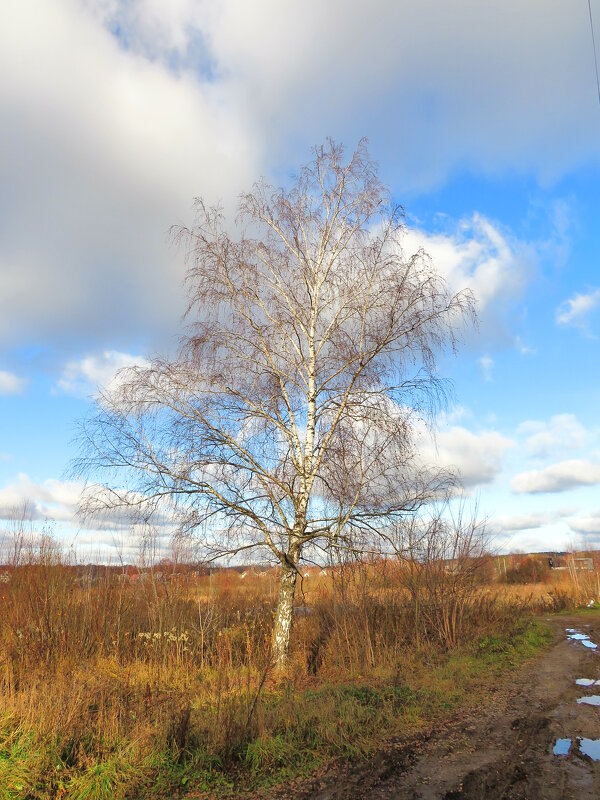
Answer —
(58, 501)
(52, 499)
(476, 457)
(101, 150)
(453, 415)
(97, 373)
(479, 256)
(525, 522)
(561, 433)
(520, 522)
(115, 114)
(11, 383)
(557, 477)
(586, 524)
(576, 310)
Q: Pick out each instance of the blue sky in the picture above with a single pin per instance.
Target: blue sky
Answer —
(485, 120)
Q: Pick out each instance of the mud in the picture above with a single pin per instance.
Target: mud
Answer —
(530, 738)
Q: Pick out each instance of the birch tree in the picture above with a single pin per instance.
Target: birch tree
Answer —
(283, 425)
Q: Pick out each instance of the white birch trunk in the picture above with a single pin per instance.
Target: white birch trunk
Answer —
(283, 616)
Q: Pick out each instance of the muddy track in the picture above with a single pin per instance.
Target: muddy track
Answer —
(503, 749)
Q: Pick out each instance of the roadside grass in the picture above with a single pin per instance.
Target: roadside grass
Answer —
(297, 726)
(304, 729)
(580, 609)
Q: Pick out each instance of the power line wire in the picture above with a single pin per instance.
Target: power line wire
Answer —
(594, 46)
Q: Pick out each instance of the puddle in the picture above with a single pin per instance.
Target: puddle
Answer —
(592, 700)
(589, 747)
(577, 636)
(562, 747)
(588, 643)
(586, 682)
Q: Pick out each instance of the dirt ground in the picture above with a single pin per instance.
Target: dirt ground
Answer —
(503, 749)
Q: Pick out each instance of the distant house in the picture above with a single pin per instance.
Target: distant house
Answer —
(586, 564)
(560, 561)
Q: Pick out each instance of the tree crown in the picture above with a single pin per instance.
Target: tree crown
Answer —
(310, 350)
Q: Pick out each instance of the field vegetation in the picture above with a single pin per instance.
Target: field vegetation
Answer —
(123, 682)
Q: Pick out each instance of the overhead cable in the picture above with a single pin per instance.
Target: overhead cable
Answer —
(594, 46)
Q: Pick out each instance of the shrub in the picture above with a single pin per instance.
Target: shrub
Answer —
(528, 570)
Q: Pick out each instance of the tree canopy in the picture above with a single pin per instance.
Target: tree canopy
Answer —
(284, 421)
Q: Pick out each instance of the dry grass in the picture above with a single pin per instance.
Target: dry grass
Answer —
(113, 686)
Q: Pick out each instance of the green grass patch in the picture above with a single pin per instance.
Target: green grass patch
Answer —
(21, 761)
(305, 729)
(114, 778)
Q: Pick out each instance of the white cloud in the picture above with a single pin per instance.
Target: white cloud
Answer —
(32, 504)
(487, 364)
(453, 415)
(586, 524)
(92, 374)
(562, 433)
(576, 310)
(524, 522)
(58, 501)
(557, 477)
(123, 546)
(477, 457)
(101, 150)
(11, 383)
(524, 349)
(397, 63)
(115, 114)
(477, 255)
(53, 499)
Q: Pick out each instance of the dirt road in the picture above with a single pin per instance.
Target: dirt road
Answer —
(505, 748)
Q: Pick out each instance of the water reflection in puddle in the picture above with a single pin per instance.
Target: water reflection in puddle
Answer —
(562, 747)
(590, 748)
(592, 700)
(587, 747)
(577, 636)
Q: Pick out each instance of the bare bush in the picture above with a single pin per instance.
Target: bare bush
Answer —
(444, 559)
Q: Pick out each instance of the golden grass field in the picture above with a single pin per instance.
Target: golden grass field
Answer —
(119, 682)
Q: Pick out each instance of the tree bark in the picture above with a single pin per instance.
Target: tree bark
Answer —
(283, 615)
